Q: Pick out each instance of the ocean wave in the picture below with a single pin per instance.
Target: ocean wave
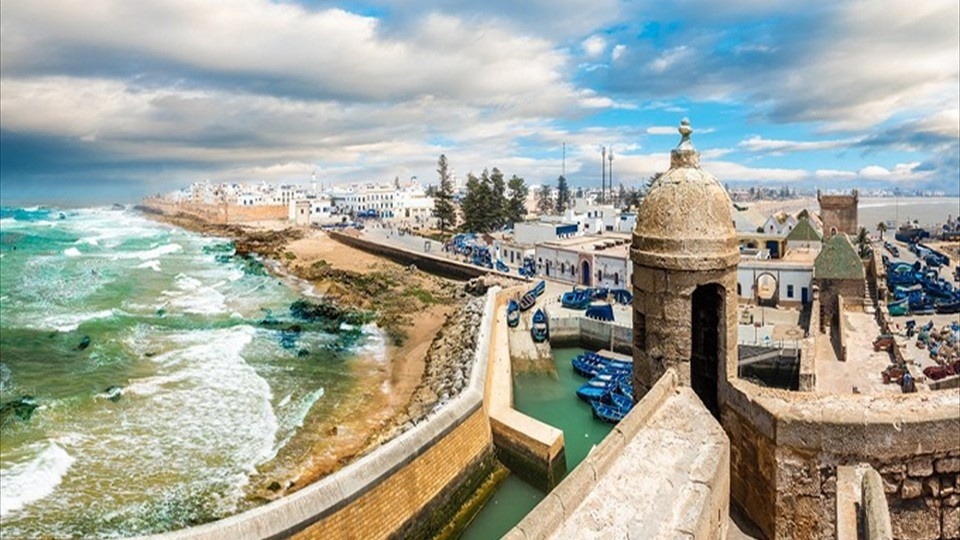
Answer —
(149, 254)
(32, 480)
(152, 263)
(194, 297)
(68, 322)
(71, 252)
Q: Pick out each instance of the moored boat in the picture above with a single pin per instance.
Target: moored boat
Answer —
(527, 301)
(600, 312)
(540, 330)
(513, 314)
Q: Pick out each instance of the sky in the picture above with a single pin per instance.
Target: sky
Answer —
(106, 100)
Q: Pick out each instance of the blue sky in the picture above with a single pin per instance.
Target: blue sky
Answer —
(105, 100)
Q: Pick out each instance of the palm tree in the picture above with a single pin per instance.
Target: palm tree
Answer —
(881, 228)
(863, 242)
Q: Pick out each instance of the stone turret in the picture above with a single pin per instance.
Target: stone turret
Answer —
(685, 256)
(838, 213)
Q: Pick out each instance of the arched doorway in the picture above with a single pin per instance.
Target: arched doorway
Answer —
(705, 326)
(768, 289)
(585, 273)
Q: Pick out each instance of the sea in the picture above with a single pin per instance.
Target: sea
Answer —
(166, 379)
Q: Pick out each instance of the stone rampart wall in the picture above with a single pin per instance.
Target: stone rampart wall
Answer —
(786, 447)
(528, 447)
(700, 514)
(426, 262)
(218, 213)
(409, 487)
(591, 333)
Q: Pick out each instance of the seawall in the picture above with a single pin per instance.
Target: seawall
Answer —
(222, 213)
(440, 266)
(409, 487)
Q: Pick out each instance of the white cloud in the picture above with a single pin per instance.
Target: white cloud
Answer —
(617, 52)
(594, 46)
(773, 146)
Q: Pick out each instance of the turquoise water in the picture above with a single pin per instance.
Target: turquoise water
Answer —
(551, 399)
(211, 397)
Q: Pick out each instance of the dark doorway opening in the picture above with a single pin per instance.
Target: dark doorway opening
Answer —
(585, 273)
(707, 308)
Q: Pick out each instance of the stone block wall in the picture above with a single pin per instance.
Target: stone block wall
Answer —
(662, 323)
(786, 447)
(428, 263)
(838, 212)
(218, 213)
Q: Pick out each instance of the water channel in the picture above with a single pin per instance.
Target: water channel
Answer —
(551, 399)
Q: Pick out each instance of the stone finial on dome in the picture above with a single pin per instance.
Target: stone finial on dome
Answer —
(685, 155)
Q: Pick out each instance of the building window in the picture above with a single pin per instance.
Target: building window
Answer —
(789, 291)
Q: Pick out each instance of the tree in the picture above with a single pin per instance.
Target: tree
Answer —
(516, 207)
(580, 192)
(498, 199)
(863, 242)
(653, 180)
(544, 199)
(633, 199)
(476, 205)
(563, 194)
(443, 208)
(881, 228)
(621, 196)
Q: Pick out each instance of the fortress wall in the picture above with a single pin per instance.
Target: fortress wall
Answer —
(786, 447)
(218, 213)
(528, 447)
(581, 331)
(435, 265)
(409, 487)
(699, 512)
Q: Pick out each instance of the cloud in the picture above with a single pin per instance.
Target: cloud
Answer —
(273, 48)
(617, 52)
(594, 46)
(771, 146)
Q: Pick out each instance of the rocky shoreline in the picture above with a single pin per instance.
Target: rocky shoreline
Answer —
(430, 364)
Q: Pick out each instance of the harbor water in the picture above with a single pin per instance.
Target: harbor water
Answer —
(166, 392)
(550, 398)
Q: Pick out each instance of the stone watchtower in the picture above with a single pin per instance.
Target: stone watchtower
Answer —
(838, 213)
(685, 256)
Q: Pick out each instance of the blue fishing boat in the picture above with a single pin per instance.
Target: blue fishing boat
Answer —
(576, 299)
(600, 293)
(540, 330)
(600, 312)
(622, 296)
(513, 314)
(539, 288)
(900, 307)
(502, 267)
(527, 301)
(608, 413)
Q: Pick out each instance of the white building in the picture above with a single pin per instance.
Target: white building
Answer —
(599, 260)
(312, 210)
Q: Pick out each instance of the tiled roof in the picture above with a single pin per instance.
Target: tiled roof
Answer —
(803, 232)
(838, 260)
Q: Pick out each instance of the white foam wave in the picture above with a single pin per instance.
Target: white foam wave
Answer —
(374, 343)
(154, 253)
(68, 322)
(194, 297)
(71, 252)
(30, 481)
(153, 263)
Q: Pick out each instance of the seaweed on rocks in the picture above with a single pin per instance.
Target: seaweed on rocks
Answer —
(19, 409)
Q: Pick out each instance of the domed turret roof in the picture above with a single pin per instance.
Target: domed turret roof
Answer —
(685, 221)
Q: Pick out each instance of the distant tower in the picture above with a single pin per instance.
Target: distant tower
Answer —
(685, 257)
(838, 213)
